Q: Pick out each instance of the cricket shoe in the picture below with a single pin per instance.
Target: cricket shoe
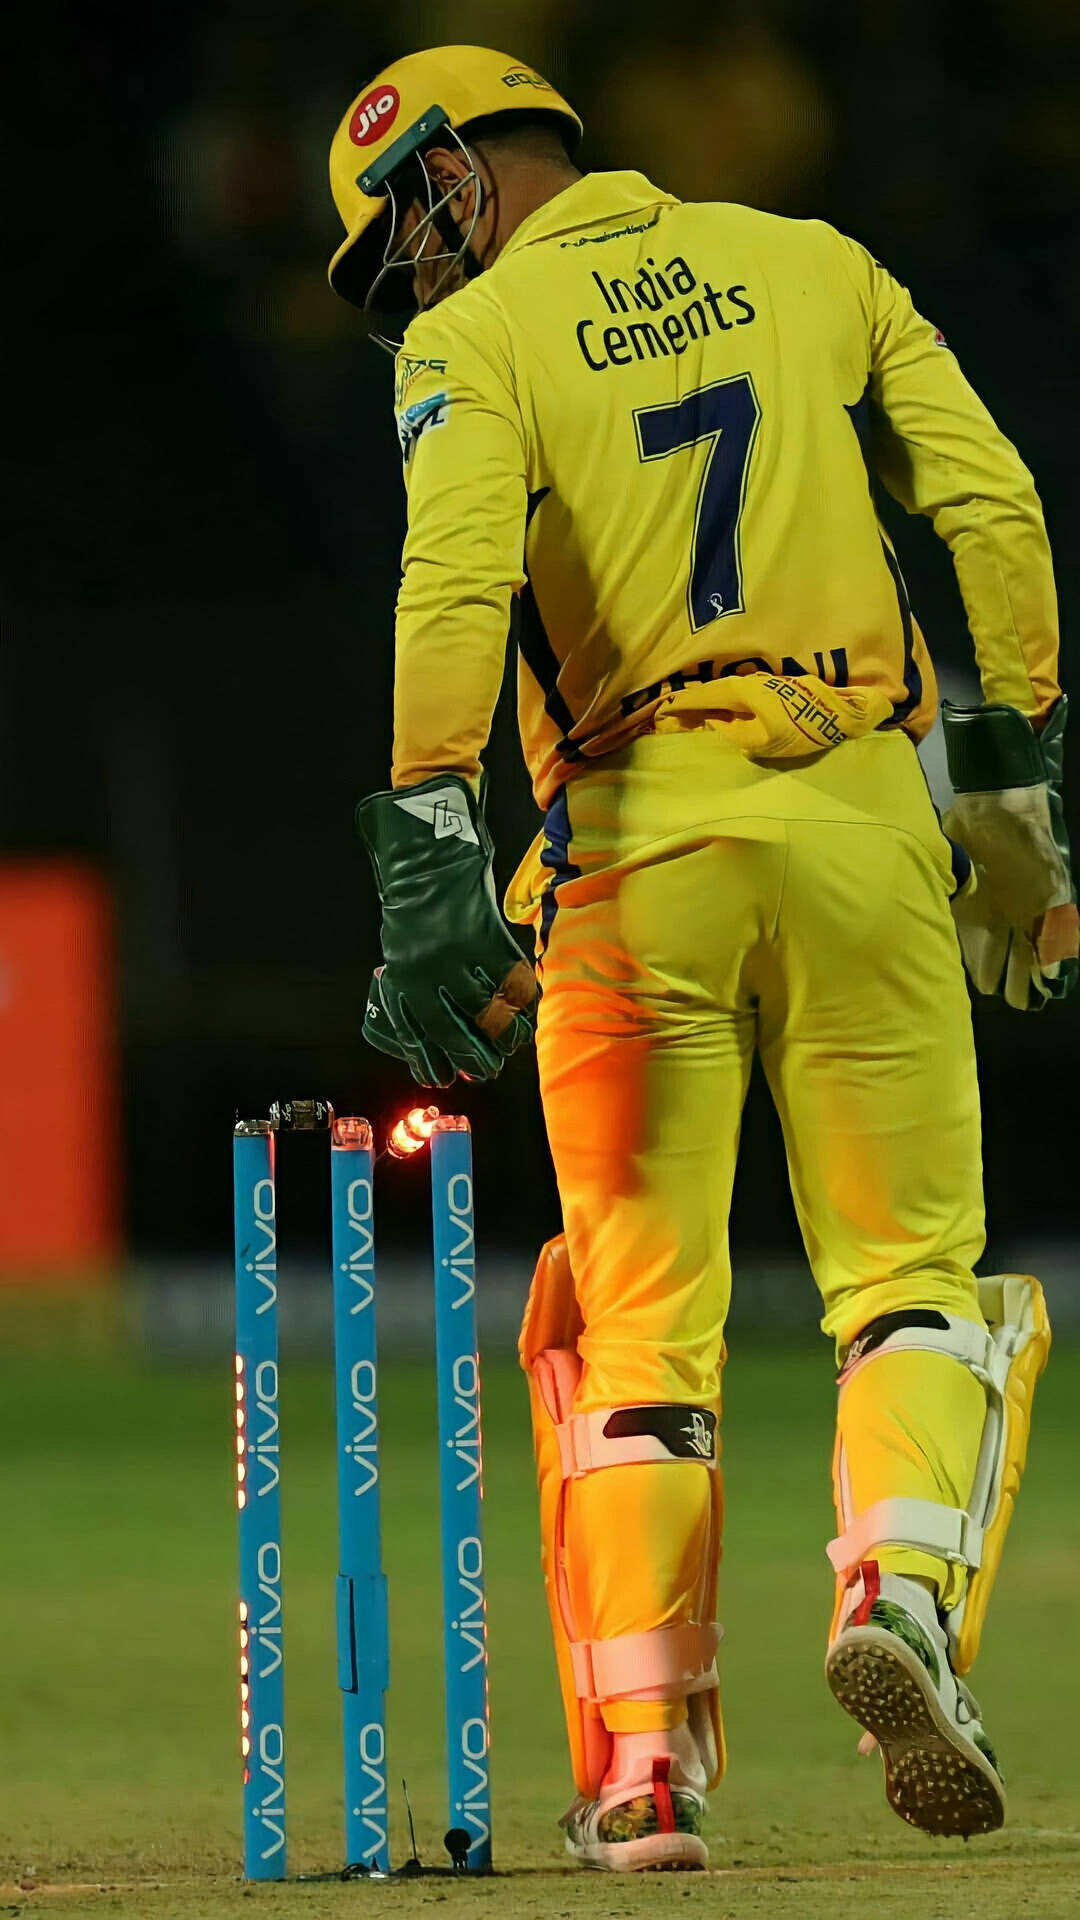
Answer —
(889, 1668)
(650, 1810)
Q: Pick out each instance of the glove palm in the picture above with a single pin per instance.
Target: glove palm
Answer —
(1016, 918)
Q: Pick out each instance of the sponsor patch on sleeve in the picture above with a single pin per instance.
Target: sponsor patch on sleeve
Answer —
(422, 417)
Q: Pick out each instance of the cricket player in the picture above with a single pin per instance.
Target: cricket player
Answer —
(649, 432)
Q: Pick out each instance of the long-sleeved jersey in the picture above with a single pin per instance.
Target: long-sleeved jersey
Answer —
(655, 424)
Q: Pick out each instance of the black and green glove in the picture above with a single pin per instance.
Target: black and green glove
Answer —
(1017, 921)
(455, 993)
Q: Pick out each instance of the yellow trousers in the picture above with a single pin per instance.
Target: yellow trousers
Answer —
(693, 906)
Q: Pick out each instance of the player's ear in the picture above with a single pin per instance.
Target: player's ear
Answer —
(447, 169)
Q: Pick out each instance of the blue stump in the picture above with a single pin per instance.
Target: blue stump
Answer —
(362, 1625)
(461, 1488)
(258, 1498)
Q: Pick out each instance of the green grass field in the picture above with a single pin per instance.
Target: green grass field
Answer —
(120, 1778)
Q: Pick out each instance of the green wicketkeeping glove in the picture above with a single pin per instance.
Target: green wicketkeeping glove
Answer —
(1017, 922)
(455, 994)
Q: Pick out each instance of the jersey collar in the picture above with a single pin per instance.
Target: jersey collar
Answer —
(596, 199)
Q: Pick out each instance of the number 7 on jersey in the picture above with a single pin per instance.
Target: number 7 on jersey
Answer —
(726, 413)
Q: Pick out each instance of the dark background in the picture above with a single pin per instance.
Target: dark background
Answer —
(199, 548)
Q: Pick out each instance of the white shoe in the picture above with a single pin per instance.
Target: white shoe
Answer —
(656, 1827)
(650, 1808)
(889, 1668)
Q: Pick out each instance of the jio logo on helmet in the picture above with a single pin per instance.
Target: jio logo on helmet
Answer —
(374, 115)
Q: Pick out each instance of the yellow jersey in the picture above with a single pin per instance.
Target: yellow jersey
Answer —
(654, 425)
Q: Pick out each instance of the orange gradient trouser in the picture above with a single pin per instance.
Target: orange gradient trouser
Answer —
(692, 906)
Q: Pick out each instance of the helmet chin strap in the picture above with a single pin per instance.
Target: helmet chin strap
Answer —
(404, 256)
(450, 234)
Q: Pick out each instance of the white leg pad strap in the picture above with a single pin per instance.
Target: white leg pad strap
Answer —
(961, 1340)
(923, 1524)
(629, 1436)
(666, 1664)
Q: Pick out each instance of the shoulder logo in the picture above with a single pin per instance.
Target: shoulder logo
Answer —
(406, 369)
(445, 811)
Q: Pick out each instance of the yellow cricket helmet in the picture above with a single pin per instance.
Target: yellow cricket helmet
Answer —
(396, 116)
